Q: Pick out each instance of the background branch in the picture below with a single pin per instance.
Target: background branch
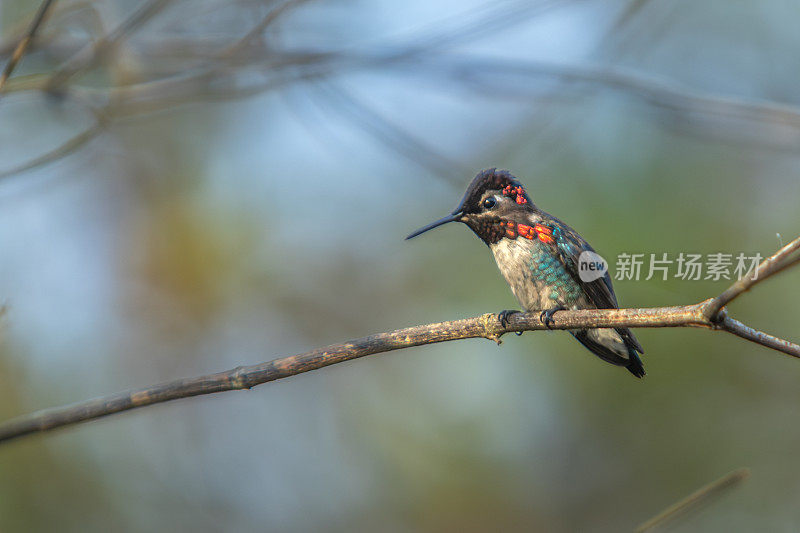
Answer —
(695, 500)
(25, 42)
(486, 326)
(251, 66)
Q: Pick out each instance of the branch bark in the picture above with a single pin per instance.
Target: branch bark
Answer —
(708, 314)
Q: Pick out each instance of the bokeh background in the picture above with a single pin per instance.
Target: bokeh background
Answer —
(192, 185)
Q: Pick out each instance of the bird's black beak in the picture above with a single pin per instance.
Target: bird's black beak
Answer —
(455, 216)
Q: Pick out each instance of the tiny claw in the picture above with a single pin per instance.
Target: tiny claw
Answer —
(504, 315)
(546, 316)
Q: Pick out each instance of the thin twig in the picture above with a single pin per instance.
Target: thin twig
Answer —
(486, 326)
(258, 29)
(655, 90)
(68, 147)
(94, 53)
(26, 40)
(759, 337)
(391, 135)
(695, 499)
(770, 266)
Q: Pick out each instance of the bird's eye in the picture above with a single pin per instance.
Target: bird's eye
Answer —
(489, 203)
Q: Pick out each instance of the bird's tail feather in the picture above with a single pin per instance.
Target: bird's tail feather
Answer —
(635, 365)
(605, 352)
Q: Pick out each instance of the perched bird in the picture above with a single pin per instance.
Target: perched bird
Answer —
(540, 257)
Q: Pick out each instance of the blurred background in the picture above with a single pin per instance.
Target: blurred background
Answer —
(187, 186)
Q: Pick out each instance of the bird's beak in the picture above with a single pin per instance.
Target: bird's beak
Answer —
(455, 216)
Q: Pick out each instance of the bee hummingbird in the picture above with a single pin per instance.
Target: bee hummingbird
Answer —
(539, 257)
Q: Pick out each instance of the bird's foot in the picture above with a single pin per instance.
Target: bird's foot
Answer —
(504, 315)
(546, 316)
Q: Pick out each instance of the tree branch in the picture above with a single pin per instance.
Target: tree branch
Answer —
(25, 42)
(769, 267)
(94, 53)
(696, 499)
(252, 66)
(707, 314)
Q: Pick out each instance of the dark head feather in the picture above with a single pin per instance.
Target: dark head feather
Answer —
(489, 180)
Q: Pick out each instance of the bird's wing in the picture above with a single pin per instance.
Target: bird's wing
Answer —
(568, 245)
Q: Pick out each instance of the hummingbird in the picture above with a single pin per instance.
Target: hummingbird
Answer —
(538, 256)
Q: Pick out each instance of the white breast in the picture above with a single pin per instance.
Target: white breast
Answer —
(514, 258)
